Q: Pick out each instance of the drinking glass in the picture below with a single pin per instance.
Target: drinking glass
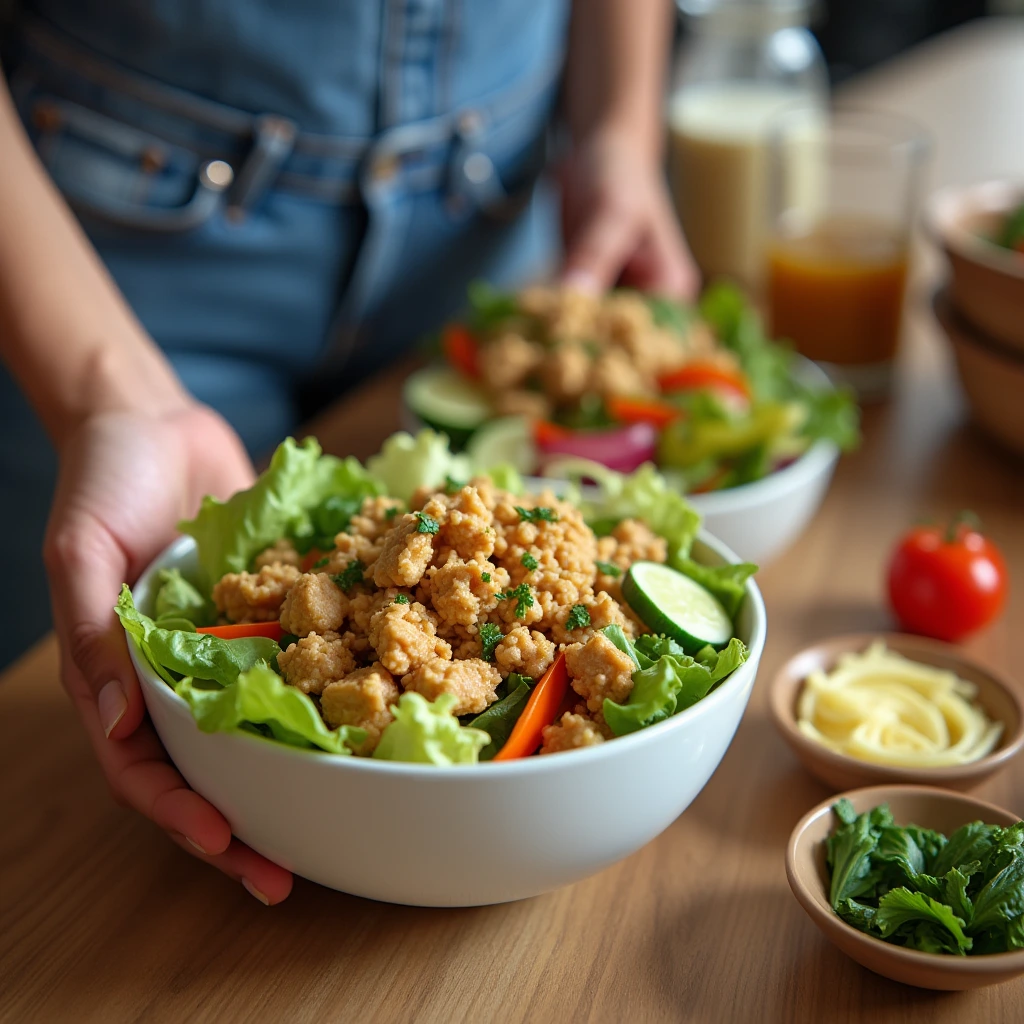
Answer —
(844, 190)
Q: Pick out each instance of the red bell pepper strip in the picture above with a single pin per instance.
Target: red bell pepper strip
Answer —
(461, 350)
(642, 410)
(541, 709)
(545, 432)
(695, 376)
(271, 630)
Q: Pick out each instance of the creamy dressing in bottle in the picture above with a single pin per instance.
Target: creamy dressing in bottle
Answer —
(719, 136)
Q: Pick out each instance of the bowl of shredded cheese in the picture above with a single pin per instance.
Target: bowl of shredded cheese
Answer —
(869, 709)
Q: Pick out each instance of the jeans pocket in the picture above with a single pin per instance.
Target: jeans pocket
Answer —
(496, 167)
(119, 175)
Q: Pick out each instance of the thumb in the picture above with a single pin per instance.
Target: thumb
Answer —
(86, 565)
(598, 250)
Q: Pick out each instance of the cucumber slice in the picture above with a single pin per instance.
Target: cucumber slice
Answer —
(445, 400)
(670, 603)
(506, 440)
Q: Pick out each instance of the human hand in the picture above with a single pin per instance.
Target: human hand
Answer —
(618, 223)
(125, 481)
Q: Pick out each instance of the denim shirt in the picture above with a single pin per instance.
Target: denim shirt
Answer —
(289, 192)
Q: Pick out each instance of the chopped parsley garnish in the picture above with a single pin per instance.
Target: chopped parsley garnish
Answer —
(352, 574)
(321, 562)
(391, 512)
(428, 524)
(401, 599)
(486, 577)
(536, 515)
(579, 617)
(522, 597)
(490, 637)
(451, 485)
(608, 568)
(529, 562)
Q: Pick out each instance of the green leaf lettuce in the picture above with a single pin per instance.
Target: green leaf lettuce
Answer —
(260, 697)
(231, 533)
(429, 733)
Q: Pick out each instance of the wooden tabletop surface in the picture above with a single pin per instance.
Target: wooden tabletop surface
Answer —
(102, 919)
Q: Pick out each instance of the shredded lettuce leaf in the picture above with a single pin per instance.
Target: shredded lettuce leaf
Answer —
(178, 599)
(489, 306)
(725, 582)
(429, 733)
(406, 463)
(643, 494)
(230, 534)
(260, 700)
(671, 682)
(175, 652)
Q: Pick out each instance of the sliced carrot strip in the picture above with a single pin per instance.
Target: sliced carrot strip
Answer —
(541, 709)
(694, 376)
(642, 410)
(461, 349)
(312, 556)
(271, 630)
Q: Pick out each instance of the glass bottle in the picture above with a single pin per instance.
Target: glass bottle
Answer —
(741, 63)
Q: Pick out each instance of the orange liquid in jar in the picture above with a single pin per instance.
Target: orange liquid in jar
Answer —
(836, 292)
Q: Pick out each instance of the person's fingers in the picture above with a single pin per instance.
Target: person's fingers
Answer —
(662, 264)
(262, 878)
(86, 565)
(597, 252)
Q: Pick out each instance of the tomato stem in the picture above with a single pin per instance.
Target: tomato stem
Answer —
(965, 517)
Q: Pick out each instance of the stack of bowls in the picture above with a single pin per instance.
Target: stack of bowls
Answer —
(981, 309)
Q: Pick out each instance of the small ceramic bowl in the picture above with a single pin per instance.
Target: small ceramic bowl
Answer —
(987, 281)
(992, 375)
(1000, 699)
(918, 805)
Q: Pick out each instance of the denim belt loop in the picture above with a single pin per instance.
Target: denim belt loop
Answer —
(273, 142)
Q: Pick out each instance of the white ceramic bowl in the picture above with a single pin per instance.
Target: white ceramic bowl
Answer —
(457, 836)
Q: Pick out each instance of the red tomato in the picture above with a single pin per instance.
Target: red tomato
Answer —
(947, 583)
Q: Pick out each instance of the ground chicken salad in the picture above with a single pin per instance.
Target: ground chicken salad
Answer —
(624, 378)
(411, 610)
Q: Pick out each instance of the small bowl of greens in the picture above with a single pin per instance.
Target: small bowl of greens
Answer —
(562, 384)
(423, 685)
(917, 884)
(980, 228)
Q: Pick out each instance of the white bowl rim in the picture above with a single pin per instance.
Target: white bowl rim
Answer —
(527, 765)
(990, 196)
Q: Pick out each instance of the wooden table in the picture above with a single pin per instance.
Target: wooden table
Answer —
(102, 919)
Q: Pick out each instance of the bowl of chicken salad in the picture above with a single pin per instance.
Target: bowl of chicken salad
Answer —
(423, 683)
(563, 383)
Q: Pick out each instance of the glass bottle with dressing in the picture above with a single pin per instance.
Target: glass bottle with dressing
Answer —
(742, 63)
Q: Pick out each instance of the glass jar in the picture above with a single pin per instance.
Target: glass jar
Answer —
(742, 62)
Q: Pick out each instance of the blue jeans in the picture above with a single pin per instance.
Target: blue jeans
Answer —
(285, 217)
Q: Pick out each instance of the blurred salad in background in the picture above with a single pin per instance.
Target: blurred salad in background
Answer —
(1010, 234)
(534, 378)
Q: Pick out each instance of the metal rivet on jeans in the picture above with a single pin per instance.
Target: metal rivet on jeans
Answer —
(216, 174)
(478, 168)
